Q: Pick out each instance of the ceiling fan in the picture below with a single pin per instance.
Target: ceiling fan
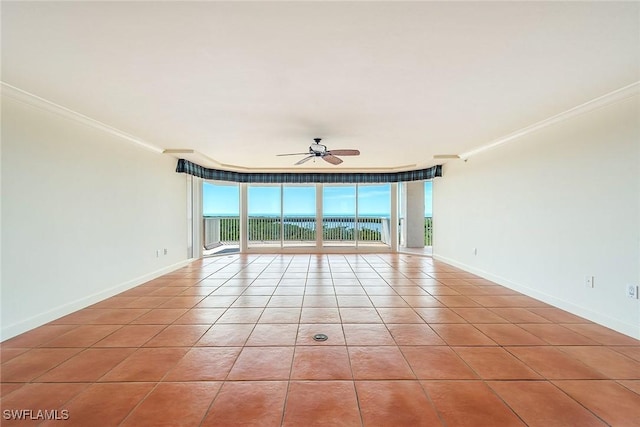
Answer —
(318, 150)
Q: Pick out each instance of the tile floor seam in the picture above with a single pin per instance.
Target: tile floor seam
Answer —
(136, 406)
(626, 386)
(552, 382)
(350, 362)
(215, 396)
(64, 403)
(355, 389)
(463, 360)
(579, 333)
(42, 345)
(32, 380)
(506, 403)
(286, 397)
(435, 408)
(560, 348)
(508, 348)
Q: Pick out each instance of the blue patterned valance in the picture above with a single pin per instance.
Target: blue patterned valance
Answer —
(186, 166)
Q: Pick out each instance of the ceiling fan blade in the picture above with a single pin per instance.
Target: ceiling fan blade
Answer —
(332, 159)
(345, 152)
(293, 154)
(299, 162)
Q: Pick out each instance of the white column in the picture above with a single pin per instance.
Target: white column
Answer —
(402, 211)
(393, 227)
(414, 214)
(190, 219)
(243, 217)
(194, 217)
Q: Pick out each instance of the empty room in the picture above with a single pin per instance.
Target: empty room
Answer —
(320, 213)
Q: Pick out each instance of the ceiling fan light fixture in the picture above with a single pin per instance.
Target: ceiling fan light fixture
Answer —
(317, 148)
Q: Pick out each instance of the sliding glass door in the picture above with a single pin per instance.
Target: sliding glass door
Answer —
(299, 215)
(339, 210)
(428, 214)
(276, 216)
(281, 216)
(264, 213)
(221, 217)
(374, 215)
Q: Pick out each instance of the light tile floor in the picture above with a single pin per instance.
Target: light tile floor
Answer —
(229, 341)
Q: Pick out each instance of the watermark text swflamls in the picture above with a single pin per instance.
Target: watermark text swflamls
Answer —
(36, 414)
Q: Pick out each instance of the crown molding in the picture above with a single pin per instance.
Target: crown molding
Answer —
(602, 101)
(25, 97)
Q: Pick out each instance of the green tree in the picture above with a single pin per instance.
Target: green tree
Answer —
(428, 231)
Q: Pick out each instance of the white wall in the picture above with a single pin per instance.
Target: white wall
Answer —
(550, 208)
(83, 213)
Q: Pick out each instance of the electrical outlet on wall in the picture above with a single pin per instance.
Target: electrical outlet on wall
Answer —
(588, 281)
(632, 291)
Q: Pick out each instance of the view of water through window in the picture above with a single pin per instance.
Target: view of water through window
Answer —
(287, 215)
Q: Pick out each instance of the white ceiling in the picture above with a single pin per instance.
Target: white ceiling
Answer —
(240, 82)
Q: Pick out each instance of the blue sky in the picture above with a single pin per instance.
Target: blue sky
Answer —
(221, 199)
(428, 195)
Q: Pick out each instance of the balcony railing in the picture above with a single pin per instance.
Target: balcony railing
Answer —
(221, 229)
(291, 229)
(226, 229)
(428, 231)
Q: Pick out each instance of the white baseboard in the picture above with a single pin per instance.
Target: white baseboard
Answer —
(604, 320)
(62, 310)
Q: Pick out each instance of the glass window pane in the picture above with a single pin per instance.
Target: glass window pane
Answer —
(338, 215)
(374, 214)
(264, 210)
(299, 216)
(428, 213)
(221, 213)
